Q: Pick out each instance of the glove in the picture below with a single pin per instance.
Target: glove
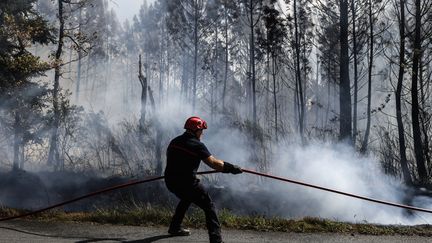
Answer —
(230, 168)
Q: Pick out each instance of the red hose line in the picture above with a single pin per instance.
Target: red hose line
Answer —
(130, 183)
(135, 182)
(338, 192)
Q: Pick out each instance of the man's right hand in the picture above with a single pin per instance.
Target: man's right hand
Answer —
(230, 168)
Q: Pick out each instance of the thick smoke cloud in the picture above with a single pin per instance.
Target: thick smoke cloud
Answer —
(335, 166)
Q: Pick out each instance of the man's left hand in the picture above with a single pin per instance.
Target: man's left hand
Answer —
(230, 168)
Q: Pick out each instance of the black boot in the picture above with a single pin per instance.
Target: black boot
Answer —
(179, 232)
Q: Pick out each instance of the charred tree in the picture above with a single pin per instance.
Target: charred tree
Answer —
(184, 89)
(53, 155)
(226, 58)
(355, 64)
(425, 118)
(195, 55)
(17, 141)
(299, 82)
(370, 67)
(252, 62)
(345, 119)
(143, 82)
(398, 96)
(80, 56)
(274, 92)
(215, 70)
(159, 134)
(251, 6)
(415, 108)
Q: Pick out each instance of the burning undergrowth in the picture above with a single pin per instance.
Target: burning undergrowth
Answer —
(26, 190)
(244, 195)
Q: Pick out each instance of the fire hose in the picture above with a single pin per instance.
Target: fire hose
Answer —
(155, 178)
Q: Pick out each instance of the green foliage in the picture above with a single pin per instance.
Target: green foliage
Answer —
(22, 99)
(20, 27)
(271, 39)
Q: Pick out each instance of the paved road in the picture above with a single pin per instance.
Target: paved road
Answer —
(35, 231)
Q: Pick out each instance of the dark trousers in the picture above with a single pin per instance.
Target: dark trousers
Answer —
(197, 195)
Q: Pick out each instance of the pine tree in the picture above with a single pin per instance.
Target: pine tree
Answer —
(21, 97)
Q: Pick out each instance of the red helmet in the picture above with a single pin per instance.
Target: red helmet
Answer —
(195, 123)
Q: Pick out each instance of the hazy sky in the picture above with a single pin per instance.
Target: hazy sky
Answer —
(126, 9)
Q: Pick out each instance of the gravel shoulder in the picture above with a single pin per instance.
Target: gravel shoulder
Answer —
(79, 232)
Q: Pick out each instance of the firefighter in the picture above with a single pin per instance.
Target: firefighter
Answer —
(184, 154)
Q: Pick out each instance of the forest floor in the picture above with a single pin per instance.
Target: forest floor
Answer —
(56, 231)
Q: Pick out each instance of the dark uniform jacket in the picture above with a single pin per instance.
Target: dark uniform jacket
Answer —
(184, 155)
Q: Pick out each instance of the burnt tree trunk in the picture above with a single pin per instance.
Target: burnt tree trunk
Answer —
(363, 148)
(274, 72)
(424, 120)
(415, 109)
(78, 82)
(185, 77)
(398, 97)
(53, 155)
(214, 91)
(252, 62)
(143, 81)
(195, 55)
(17, 141)
(345, 125)
(226, 61)
(355, 52)
(298, 74)
(159, 134)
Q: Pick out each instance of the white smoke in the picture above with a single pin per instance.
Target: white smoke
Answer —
(335, 166)
(126, 9)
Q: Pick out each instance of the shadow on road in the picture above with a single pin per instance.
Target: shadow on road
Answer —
(63, 237)
(149, 239)
(100, 239)
(27, 232)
